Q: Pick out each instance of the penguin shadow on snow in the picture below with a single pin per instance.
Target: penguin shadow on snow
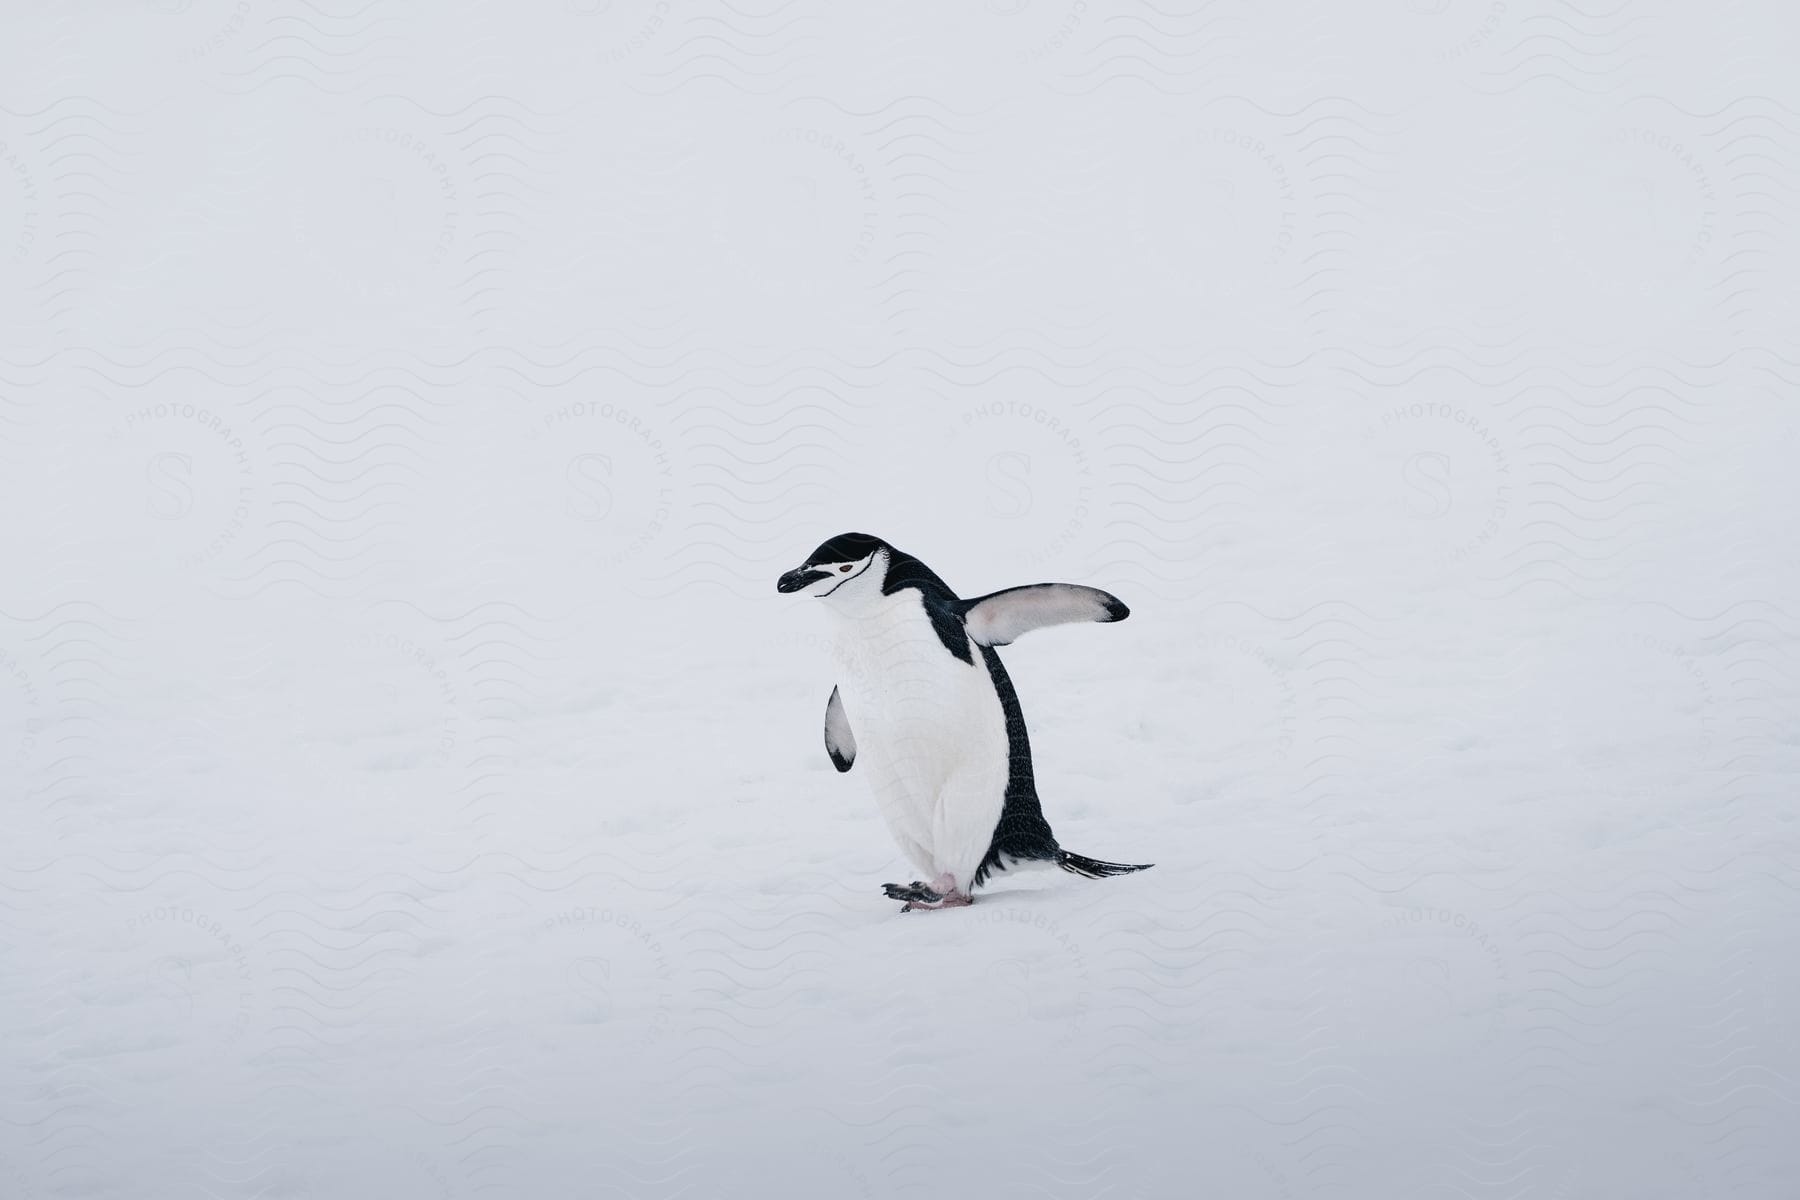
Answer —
(926, 712)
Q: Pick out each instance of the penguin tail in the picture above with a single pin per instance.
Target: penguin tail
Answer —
(1093, 868)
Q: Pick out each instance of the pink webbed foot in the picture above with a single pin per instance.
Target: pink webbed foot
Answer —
(942, 892)
(953, 900)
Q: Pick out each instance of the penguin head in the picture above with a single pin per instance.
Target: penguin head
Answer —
(849, 566)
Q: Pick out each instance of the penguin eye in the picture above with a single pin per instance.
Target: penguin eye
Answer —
(845, 568)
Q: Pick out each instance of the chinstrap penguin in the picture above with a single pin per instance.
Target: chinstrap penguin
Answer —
(925, 707)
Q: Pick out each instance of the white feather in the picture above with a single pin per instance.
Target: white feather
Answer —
(1006, 616)
(840, 741)
(930, 732)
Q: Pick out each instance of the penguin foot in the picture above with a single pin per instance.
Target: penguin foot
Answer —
(953, 900)
(941, 892)
(918, 889)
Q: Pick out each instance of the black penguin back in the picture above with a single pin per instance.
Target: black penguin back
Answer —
(1022, 832)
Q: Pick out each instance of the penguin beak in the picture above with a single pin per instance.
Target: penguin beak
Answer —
(798, 578)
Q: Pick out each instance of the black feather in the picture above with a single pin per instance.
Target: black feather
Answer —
(1093, 868)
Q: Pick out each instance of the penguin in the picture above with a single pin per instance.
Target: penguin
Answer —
(925, 706)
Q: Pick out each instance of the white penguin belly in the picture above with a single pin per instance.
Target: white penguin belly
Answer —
(930, 735)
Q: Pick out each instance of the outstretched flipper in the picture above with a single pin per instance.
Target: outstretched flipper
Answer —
(840, 743)
(1005, 616)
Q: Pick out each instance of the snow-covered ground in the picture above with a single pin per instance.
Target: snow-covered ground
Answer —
(412, 780)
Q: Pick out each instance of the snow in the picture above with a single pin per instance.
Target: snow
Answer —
(413, 782)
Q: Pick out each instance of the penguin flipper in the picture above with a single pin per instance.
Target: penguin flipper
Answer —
(840, 743)
(1005, 616)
